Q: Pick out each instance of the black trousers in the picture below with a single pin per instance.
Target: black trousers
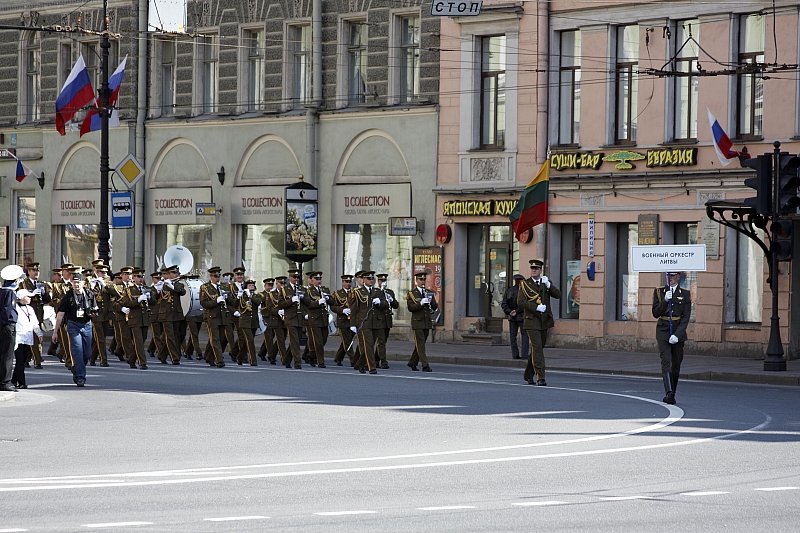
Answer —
(513, 328)
(8, 334)
(671, 357)
(21, 355)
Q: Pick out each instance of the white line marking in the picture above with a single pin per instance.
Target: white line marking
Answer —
(706, 493)
(537, 504)
(625, 498)
(12, 530)
(450, 508)
(770, 489)
(232, 518)
(342, 513)
(119, 524)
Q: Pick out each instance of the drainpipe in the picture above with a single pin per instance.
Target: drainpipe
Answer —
(542, 77)
(141, 111)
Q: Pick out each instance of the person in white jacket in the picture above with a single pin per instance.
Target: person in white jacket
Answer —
(27, 326)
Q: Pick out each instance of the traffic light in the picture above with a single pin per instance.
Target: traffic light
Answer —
(787, 183)
(781, 243)
(762, 183)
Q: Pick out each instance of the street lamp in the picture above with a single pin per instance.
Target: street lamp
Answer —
(103, 234)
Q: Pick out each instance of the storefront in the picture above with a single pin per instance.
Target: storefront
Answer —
(171, 218)
(75, 217)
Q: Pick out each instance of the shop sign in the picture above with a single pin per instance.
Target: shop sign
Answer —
(480, 208)
(8, 153)
(504, 208)
(459, 8)
(174, 205)
(257, 205)
(402, 226)
(669, 258)
(672, 157)
(576, 160)
(623, 158)
(443, 233)
(75, 207)
(430, 260)
(648, 229)
(591, 235)
(372, 203)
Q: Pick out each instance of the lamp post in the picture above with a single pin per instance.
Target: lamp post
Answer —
(103, 234)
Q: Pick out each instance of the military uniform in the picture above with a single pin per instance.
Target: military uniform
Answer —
(215, 315)
(38, 301)
(368, 306)
(230, 288)
(64, 348)
(55, 292)
(138, 319)
(672, 306)
(533, 294)
(171, 314)
(421, 323)
(315, 303)
(122, 332)
(292, 318)
(157, 346)
(338, 305)
(248, 324)
(275, 321)
(268, 348)
(383, 337)
(100, 288)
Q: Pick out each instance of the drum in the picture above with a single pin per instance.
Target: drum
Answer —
(191, 300)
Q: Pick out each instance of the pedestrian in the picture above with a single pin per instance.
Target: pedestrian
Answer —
(8, 324)
(515, 318)
(421, 306)
(28, 332)
(534, 299)
(76, 310)
(672, 306)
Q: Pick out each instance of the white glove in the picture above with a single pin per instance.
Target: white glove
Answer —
(237, 314)
(239, 294)
(36, 292)
(305, 317)
(220, 299)
(376, 301)
(425, 301)
(546, 281)
(327, 297)
(126, 310)
(147, 294)
(142, 298)
(353, 329)
(247, 292)
(673, 339)
(281, 312)
(346, 311)
(541, 308)
(296, 299)
(169, 284)
(668, 296)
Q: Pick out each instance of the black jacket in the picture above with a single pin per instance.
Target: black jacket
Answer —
(509, 304)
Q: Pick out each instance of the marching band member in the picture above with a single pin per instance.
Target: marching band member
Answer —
(135, 305)
(383, 337)
(421, 307)
(268, 347)
(534, 298)
(100, 287)
(247, 321)
(316, 305)
(214, 301)
(170, 313)
(367, 304)
(338, 305)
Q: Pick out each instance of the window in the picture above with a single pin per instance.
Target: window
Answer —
(254, 48)
(627, 84)
(195, 237)
(300, 63)
(33, 73)
(209, 52)
(64, 63)
(687, 88)
(357, 62)
(79, 242)
(571, 270)
(569, 90)
(409, 58)
(168, 55)
(263, 251)
(25, 228)
(91, 56)
(627, 281)
(493, 91)
(751, 85)
(749, 279)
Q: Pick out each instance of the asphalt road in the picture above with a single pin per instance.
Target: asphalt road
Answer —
(465, 448)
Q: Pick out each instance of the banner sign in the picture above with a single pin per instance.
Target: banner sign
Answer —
(430, 260)
(75, 207)
(174, 205)
(458, 8)
(257, 205)
(370, 204)
(669, 258)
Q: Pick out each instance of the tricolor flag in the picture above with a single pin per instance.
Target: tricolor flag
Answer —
(93, 122)
(76, 93)
(722, 144)
(531, 208)
(22, 170)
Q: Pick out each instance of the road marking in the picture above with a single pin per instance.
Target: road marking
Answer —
(538, 504)
(119, 524)
(624, 498)
(706, 493)
(12, 530)
(769, 489)
(232, 518)
(450, 508)
(342, 513)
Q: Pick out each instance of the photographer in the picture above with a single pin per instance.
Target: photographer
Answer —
(78, 307)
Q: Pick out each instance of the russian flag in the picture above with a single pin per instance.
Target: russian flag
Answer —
(722, 144)
(93, 122)
(76, 93)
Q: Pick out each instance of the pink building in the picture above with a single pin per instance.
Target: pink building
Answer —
(631, 150)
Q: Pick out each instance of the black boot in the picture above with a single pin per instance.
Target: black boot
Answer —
(675, 382)
(670, 397)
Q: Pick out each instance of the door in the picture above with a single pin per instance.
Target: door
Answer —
(489, 261)
(496, 276)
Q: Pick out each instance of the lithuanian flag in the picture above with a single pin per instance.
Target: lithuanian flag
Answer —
(531, 208)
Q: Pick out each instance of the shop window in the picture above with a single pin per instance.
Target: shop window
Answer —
(571, 270)
(749, 279)
(79, 243)
(687, 88)
(627, 282)
(627, 82)
(196, 237)
(263, 251)
(25, 228)
(370, 247)
(750, 101)
(493, 91)
(569, 89)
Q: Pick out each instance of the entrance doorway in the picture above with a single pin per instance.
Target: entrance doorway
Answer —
(490, 266)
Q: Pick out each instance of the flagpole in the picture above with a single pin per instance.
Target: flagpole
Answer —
(103, 234)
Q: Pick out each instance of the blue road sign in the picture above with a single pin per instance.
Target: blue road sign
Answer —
(122, 210)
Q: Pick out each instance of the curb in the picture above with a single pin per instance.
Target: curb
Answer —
(7, 396)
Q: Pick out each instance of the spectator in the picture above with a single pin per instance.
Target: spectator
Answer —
(27, 327)
(8, 324)
(515, 318)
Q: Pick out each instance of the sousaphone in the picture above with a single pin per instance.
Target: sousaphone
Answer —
(181, 256)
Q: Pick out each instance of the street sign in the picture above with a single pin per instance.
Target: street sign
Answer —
(130, 170)
(206, 213)
(402, 226)
(122, 210)
(460, 8)
(669, 258)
